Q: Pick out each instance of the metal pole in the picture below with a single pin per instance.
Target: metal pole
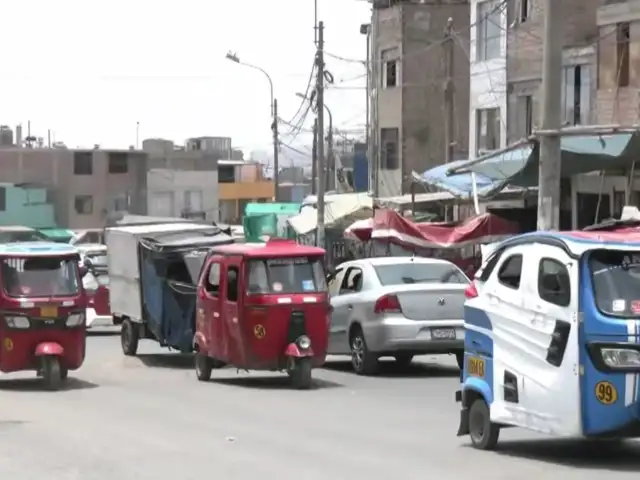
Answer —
(449, 98)
(137, 135)
(374, 63)
(550, 151)
(276, 149)
(368, 91)
(314, 159)
(321, 159)
(331, 162)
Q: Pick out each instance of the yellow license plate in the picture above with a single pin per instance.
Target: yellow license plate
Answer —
(49, 312)
(475, 367)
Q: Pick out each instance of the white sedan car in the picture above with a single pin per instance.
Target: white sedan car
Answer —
(398, 307)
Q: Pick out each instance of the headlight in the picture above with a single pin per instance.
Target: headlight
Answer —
(304, 342)
(620, 357)
(75, 319)
(17, 322)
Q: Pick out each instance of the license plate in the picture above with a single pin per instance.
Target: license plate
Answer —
(49, 312)
(443, 333)
(475, 367)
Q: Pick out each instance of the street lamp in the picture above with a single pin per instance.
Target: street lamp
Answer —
(331, 164)
(233, 57)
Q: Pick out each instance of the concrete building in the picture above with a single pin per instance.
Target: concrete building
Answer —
(525, 20)
(26, 205)
(87, 186)
(240, 183)
(407, 84)
(488, 77)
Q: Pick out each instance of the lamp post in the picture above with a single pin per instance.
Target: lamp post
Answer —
(332, 166)
(274, 115)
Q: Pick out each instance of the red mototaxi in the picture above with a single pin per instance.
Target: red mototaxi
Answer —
(42, 310)
(263, 307)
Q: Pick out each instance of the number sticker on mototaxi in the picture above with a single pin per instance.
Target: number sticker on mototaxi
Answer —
(635, 307)
(606, 393)
(618, 306)
(307, 286)
(277, 287)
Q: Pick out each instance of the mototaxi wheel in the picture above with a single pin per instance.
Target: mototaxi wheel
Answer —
(363, 361)
(52, 372)
(300, 373)
(460, 359)
(129, 338)
(483, 432)
(204, 365)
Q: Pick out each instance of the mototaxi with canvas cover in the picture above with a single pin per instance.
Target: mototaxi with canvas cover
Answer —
(552, 340)
(263, 307)
(153, 272)
(42, 305)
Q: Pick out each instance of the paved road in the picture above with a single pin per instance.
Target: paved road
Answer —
(148, 418)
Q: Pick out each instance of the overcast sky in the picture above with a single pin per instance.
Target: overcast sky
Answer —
(90, 70)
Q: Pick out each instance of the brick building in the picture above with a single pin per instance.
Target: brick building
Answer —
(407, 85)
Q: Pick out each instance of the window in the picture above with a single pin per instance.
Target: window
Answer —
(84, 204)
(576, 95)
(119, 202)
(525, 10)
(554, 285)
(510, 272)
(390, 70)
(226, 174)
(622, 54)
(118, 162)
(488, 30)
(525, 115)
(487, 130)
(418, 272)
(352, 282)
(287, 275)
(389, 139)
(334, 282)
(616, 282)
(83, 163)
(232, 284)
(193, 200)
(3, 199)
(213, 280)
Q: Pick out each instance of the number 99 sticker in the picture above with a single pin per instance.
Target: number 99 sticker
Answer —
(606, 393)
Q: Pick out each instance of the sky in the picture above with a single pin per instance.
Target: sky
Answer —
(89, 71)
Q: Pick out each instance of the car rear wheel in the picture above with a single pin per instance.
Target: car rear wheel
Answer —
(482, 431)
(460, 359)
(363, 361)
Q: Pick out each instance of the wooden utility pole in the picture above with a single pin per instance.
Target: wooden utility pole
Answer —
(321, 159)
(449, 100)
(550, 149)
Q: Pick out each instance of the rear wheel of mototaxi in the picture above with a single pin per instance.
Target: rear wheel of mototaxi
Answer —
(483, 432)
(299, 370)
(204, 366)
(53, 374)
(129, 337)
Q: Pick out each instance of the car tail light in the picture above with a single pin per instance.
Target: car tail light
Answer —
(471, 291)
(388, 304)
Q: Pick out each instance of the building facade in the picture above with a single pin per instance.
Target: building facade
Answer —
(240, 183)
(86, 186)
(26, 205)
(183, 193)
(408, 87)
(488, 77)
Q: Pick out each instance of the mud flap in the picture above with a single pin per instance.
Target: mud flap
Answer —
(463, 428)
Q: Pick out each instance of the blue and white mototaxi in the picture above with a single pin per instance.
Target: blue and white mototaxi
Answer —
(552, 338)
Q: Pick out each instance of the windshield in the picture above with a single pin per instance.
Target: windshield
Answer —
(287, 275)
(40, 276)
(23, 236)
(616, 282)
(419, 272)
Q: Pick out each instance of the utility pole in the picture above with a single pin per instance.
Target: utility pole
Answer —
(321, 159)
(276, 149)
(331, 161)
(314, 159)
(449, 99)
(550, 150)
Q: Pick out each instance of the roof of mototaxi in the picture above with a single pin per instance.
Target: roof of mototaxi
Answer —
(578, 241)
(276, 248)
(36, 249)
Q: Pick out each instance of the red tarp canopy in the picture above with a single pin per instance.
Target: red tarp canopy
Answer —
(390, 226)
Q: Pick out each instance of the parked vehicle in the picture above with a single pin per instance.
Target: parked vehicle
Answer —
(552, 340)
(153, 272)
(396, 306)
(18, 233)
(96, 284)
(263, 307)
(43, 310)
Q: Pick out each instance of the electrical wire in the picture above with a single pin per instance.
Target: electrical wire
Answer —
(306, 94)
